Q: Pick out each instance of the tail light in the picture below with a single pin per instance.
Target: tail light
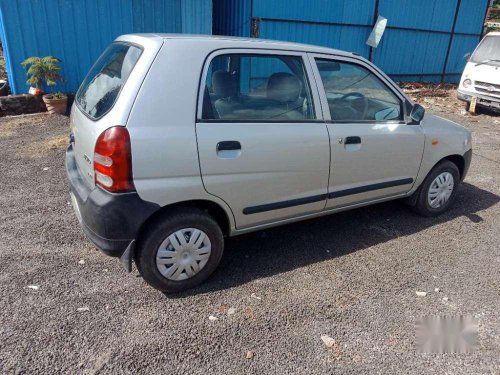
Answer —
(113, 160)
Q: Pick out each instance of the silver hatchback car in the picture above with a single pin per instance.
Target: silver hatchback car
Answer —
(178, 141)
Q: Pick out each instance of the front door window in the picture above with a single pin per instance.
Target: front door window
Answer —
(356, 94)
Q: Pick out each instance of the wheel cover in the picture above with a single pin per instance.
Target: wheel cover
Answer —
(440, 190)
(183, 254)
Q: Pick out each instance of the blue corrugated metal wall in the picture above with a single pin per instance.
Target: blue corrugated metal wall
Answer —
(419, 37)
(77, 31)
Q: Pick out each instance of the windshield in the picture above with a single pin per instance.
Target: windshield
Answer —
(488, 51)
(100, 89)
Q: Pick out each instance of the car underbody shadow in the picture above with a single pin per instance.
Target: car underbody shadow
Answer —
(273, 251)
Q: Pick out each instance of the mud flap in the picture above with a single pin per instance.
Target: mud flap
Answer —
(128, 256)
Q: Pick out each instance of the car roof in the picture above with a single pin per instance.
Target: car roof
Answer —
(239, 42)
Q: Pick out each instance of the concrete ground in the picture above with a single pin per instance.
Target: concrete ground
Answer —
(67, 308)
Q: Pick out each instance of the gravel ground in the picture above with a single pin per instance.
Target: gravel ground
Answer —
(352, 276)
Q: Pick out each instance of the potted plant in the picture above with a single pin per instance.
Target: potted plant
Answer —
(56, 103)
(46, 70)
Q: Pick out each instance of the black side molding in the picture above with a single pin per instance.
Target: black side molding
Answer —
(363, 189)
(283, 204)
(318, 198)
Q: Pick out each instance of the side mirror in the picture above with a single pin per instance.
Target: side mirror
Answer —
(417, 113)
(467, 56)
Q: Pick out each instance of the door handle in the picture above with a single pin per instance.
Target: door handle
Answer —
(228, 146)
(352, 140)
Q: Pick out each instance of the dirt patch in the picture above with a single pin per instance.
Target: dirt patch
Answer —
(41, 138)
(10, 124)
(431, 96)
(42, 148)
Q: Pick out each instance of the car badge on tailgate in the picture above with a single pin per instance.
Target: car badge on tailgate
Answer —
(87, 159)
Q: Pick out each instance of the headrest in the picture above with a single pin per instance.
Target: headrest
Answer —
(283, 87)
(224, 84)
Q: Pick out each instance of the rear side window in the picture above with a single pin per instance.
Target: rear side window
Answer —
(257, 87)
(100, 89)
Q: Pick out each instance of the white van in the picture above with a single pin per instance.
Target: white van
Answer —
(481, 76)
(178, 141)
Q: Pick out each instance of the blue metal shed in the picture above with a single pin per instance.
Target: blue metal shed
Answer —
(424, 40)
(77, 31)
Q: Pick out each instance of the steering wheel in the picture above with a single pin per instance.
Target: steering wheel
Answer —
(357, 97)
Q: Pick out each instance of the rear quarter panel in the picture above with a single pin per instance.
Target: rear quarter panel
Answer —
(165, 161)
(87, 130)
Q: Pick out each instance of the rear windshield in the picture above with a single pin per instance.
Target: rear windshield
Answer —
(101, 87)
(488, 51)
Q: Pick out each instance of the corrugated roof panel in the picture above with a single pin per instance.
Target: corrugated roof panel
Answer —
(471, 16)
(156, 16)
(460, 45)
(421, 14)
(341, 11)
(351, 39)
(77, 31)
(74, 31)
(172, 16)
(232, 17)
(410, 52)
(196, 16)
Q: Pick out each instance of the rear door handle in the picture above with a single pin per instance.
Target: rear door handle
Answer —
(228, 146)
(352, 140)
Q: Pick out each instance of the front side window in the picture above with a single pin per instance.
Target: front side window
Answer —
(257, 87)
(356, 94)
(100, 89)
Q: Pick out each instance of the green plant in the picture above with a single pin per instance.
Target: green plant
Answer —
(57, 96)
(42, 70)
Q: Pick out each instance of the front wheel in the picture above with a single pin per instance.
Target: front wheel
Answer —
(180, 250)
(438, 190)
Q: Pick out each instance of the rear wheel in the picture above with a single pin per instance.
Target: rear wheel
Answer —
(438, 190)
(180, 250)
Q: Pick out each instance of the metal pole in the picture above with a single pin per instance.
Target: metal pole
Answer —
(452, 34)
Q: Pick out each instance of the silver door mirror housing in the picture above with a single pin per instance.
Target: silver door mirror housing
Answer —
(467, 56)
(417, 113)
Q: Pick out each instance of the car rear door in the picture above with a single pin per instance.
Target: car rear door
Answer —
(375, 153)
(263, 145)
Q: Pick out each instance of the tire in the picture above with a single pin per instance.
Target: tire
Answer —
(421, 199)
(155, 237)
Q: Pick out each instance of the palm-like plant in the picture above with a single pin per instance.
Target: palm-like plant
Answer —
(42, 69)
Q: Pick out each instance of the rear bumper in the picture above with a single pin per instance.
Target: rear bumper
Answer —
(110, 221)
(482, 100)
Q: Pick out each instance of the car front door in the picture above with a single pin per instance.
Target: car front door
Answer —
(263, 145)
(375, 153)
